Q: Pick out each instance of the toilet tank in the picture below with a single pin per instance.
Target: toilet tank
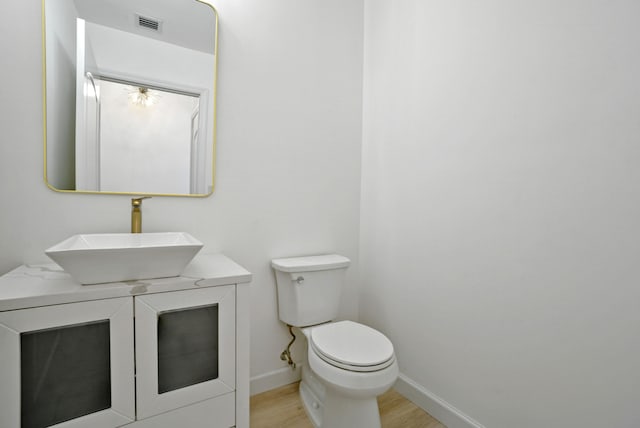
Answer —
(309, 288)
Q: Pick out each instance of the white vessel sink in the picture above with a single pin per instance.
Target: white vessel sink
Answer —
(114, 257)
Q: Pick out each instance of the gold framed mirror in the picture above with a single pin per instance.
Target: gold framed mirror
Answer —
(130, 96)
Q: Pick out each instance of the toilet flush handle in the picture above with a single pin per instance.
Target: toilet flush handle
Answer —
(299, 280)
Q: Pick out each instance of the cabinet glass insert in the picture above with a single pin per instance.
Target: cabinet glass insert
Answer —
(65, 373)
(187, 347)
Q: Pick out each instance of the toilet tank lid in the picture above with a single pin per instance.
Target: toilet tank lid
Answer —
(310, 263)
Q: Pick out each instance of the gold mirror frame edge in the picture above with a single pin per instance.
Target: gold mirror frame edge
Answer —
(91, 192)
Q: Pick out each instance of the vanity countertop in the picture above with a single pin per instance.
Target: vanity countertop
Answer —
(47, 284)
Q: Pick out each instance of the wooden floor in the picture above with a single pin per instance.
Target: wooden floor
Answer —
(282, 408)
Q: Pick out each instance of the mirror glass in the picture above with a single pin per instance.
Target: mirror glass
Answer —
(130, 91)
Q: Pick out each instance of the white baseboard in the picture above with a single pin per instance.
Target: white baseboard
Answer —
(274, 379)
(434, 405)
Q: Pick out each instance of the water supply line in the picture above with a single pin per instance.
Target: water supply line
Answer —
(286, 354)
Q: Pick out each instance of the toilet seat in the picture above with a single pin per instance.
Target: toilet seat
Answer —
(352, 346)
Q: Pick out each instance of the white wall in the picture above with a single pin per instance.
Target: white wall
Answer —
(129, 55)
(500, 205)
(288, 165)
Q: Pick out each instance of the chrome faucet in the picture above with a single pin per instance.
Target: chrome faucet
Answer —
(136, 214)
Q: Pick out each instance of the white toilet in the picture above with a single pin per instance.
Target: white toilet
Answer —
(350, 364)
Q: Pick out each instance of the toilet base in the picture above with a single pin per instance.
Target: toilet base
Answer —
(312, 395)
(311, 405)
(330, 409)
(346, 412)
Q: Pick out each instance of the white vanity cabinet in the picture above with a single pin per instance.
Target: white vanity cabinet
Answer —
(169, 352)
(66, 362)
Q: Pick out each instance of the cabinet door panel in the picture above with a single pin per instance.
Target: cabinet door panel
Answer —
(68, 365)
(185, 348)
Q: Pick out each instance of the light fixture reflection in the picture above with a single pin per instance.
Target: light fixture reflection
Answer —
(143, 97)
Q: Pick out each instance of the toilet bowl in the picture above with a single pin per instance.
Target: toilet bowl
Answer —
(348, 364)
(354, 363)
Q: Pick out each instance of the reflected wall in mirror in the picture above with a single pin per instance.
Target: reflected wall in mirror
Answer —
(130, 91)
